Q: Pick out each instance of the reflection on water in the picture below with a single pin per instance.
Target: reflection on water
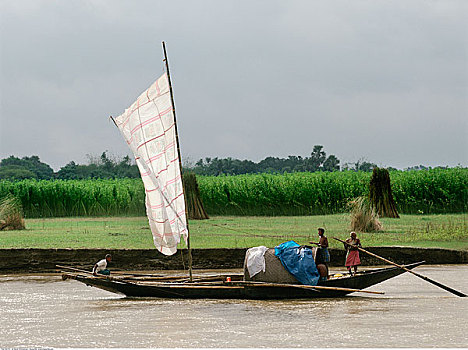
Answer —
(46, 311)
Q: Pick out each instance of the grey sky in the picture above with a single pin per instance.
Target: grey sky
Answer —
(382, 80)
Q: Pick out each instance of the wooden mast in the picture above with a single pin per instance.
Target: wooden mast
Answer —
(180, 159)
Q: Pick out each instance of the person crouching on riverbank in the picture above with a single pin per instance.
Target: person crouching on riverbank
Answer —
(352, 257)
(101, 266)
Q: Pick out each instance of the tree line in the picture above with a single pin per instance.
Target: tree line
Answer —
(103, 167)
(106, 167)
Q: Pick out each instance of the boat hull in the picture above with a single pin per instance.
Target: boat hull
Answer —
(239, 290)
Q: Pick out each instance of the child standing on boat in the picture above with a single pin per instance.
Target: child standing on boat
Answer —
(322, 256)
(352, 257)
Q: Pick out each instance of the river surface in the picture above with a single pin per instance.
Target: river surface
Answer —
(44, 311)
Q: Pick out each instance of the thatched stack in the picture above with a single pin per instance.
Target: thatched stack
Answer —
(195, 208)
(380, 194)
(363, 216)
(11, 214)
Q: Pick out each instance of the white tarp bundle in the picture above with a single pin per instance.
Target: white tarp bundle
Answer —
(148, 126)
(255, 260)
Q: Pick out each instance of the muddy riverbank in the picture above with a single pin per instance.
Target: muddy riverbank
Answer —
(44, 260)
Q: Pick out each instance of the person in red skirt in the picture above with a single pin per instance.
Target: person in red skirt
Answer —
(352, 257)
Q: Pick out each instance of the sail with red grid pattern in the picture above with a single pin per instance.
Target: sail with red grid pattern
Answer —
(148, 126)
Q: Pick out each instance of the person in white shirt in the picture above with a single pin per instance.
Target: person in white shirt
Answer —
(101, 266)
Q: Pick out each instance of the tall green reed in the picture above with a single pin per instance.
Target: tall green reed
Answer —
(429, 192)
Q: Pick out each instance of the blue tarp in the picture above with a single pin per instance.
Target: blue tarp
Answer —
(299, 261)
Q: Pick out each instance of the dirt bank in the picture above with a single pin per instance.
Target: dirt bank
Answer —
(44, 260)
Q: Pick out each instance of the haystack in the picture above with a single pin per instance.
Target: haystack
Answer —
(363, 216)
(380, 194)
(195, 208)
(11, 214)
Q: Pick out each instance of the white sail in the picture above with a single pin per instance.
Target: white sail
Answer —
(148, 126)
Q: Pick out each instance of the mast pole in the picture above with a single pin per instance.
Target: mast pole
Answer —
(180, 159)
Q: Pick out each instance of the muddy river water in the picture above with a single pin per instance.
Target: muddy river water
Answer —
(44, 311)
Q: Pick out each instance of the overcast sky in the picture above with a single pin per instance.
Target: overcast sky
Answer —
(384, 81)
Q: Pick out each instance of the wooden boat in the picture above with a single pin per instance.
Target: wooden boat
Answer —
(150, 129)
(234, 287)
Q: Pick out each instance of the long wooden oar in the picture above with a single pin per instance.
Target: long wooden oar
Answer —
(137, 278)
(285, 285)
(119, 272)
(111, 278)
(448, 289)
(74, 269)
(106, 277)
(115, 278)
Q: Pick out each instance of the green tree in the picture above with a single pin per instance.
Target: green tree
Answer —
(40, 170)
(125, 168)
(331, 163)
(316, 159)
(15, 172)
(362, 165)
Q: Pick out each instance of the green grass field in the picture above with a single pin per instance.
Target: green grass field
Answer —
(444, 231)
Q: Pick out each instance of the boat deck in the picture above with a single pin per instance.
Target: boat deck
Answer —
(232, 286)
